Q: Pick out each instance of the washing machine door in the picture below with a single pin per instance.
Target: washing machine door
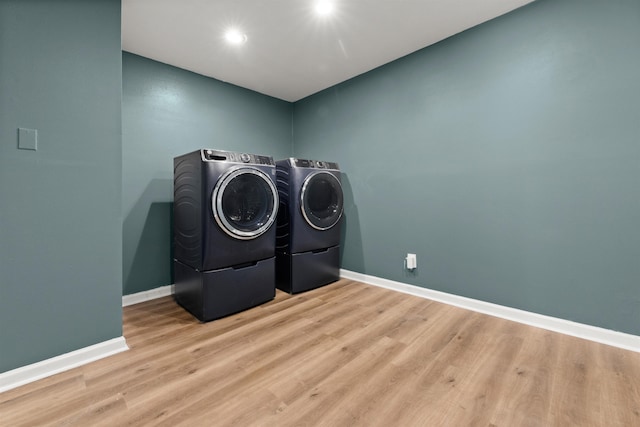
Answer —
(245, 203)
(321, 200)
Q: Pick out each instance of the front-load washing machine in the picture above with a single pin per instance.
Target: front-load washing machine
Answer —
(225, 207)
(308, 225)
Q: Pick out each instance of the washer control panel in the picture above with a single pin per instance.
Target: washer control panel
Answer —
(315, 164)
(234, 157)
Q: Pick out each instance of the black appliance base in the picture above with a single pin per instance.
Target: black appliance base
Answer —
(308, 270)
(210, 295)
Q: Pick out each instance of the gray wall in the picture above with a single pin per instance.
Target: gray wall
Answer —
(167, 112)
(507, 158)
(60, 209)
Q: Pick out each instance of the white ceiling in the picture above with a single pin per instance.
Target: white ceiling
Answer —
(290, 51)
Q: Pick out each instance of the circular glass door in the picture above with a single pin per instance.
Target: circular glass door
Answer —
(244, 203)
(321, 200)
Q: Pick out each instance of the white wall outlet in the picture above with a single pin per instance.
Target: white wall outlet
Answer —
(411, 261)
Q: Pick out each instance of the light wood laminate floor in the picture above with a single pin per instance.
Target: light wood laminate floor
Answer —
(347, 354)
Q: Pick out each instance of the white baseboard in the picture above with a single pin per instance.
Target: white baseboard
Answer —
(567, 327)
(36, 371)
(160, 292)
(55, 365)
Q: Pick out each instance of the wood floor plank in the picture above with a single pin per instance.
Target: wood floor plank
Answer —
(59, 391)
(426, 369)
(95, 414)
(326, 399)
(529, 382)
(623, 395)
(346, 354)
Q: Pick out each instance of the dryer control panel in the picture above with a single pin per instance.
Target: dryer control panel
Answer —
(315, 164)
(234, 157)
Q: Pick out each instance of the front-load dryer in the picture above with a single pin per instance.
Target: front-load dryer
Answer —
(225, 207)
(308, 225)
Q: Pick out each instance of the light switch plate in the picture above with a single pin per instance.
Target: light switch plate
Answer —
(27, 139)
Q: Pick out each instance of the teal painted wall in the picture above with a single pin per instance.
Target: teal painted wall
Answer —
(60, 209)
(507, 158)
(167, 112)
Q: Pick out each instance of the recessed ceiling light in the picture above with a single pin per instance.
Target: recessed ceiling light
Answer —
(324, 7)
(235, 36)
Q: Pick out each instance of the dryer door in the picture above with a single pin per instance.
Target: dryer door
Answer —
(321, 200)
(244, 203)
